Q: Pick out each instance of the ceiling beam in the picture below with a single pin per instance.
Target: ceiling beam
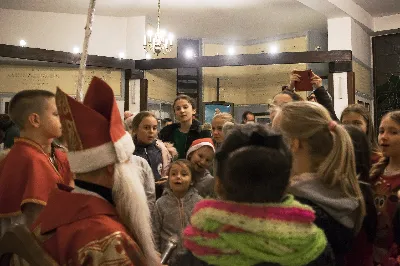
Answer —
(51, 56)
(245, 60)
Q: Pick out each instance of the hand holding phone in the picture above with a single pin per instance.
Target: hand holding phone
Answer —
(302, 80)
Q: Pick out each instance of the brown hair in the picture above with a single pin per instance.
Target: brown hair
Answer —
(331, 149)
(361, 110)
(139, 118)
(378, 168)
(183, 163)
(187, 98)
(26, 102)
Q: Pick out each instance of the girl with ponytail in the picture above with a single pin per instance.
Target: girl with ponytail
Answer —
(385, 175)
(324, 172)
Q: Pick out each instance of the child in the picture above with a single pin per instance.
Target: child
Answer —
(155, 152)
(182, 134)
(218, 123)
(172, 211)
(255, 222)
(201, 155)
(361, 251)
(31, 169)
(324, 172)
(358, 115)
(386, 183)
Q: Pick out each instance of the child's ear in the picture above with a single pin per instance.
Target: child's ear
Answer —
(34, 120)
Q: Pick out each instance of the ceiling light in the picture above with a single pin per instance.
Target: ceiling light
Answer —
(22, 43)
(148, 56)
(231, 50)
(158, 43)
(121, 55)
(273, 49)
(75, 50)
(189, 53)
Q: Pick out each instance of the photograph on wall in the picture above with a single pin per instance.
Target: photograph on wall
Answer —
(213, 108)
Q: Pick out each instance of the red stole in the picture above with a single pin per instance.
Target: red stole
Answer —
(28, 176)
(80, 229)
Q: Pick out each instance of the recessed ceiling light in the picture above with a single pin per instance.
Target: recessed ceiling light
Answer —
(75, 50)
(22, 43)
(121, 55)
(231, 50)
(189, 53)
(273, 49)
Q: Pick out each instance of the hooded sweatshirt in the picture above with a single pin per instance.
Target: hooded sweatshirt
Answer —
(205, 184)
(336, 213)
(170, 217)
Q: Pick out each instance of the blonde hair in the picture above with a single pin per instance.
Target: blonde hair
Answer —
(226, 117)
(331, 147)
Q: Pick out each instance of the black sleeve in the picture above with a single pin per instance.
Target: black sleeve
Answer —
(325, 259)
(205, 134)
(371, 219)
(188, 258)
(325, 100)
(396, 225)
(165, 135)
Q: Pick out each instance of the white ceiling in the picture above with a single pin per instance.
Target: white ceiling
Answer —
(378, 8)
(212, 19)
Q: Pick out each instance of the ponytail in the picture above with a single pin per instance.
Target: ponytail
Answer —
(339, 168)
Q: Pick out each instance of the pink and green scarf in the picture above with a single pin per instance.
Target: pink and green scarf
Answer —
(231, 233)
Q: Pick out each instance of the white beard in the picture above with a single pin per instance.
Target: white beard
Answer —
(131, 204)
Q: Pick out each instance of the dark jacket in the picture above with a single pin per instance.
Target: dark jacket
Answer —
(195, 132)
(339, 236)
(324, 99)
(325, 259)
(152, 154)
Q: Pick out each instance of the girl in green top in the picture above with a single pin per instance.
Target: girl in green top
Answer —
(188, 129)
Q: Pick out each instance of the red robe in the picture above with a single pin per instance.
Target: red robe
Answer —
(28, 176)
(80, 229)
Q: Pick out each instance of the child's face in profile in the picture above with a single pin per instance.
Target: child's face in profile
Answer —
(49, 120)
(202, 158)
(179, 179)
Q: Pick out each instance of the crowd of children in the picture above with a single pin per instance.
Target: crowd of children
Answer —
(309, 189)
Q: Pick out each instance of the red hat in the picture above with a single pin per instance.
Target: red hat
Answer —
(198, 143)
(93, 130)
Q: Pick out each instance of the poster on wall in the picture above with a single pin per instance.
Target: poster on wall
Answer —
(213, 108)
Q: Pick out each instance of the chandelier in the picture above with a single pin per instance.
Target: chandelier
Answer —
(159, 42)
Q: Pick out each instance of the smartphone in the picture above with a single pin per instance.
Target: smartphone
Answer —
(305, 80)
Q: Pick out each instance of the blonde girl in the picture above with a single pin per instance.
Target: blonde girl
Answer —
(324, 172)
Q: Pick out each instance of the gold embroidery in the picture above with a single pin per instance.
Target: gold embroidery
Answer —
(67, 120)
(36, 201)
(109, 250)
(11, 214)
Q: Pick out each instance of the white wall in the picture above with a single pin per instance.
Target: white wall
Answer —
(361, 44)
(135, 31)
(134, 96)
(61, 32)
(339, 34)
(387, 23)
